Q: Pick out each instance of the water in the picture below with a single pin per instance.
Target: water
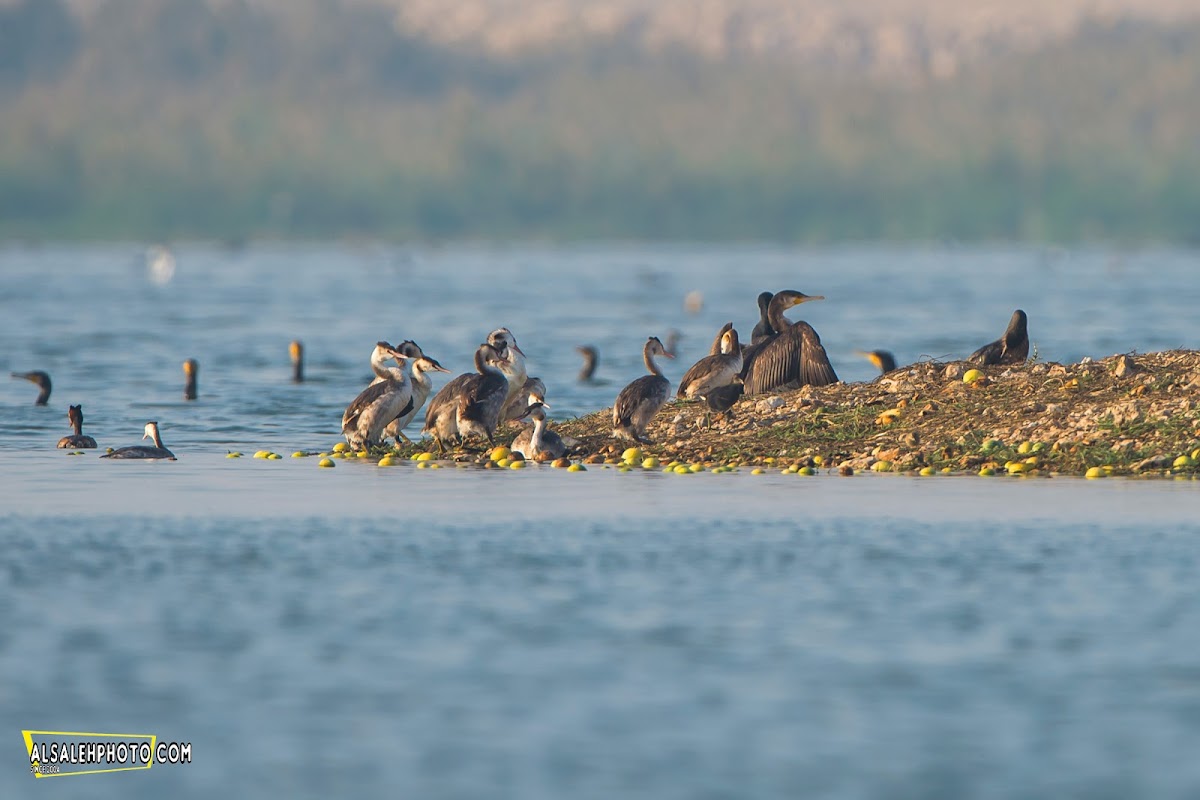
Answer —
(456, 633)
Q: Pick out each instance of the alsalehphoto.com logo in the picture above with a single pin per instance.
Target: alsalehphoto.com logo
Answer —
(56, 753)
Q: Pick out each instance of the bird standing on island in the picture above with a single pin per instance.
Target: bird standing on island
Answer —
(1011, 348)
(639, 401)
(77, 441)
(539, 443)
(716, 370)
(790, 357)
(43, 382)
(422, 386)
(145, 451)
(376, 406)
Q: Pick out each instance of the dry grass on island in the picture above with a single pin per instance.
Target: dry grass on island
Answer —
(1127, 414)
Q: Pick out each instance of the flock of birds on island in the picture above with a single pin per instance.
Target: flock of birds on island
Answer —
(780, 356)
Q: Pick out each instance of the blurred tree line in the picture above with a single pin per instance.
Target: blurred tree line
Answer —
(182, 118)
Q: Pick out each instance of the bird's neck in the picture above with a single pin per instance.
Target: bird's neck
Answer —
(776, 318)
(648, 357)
(77, 424)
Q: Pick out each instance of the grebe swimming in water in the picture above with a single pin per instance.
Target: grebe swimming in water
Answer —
(76, 441)
(145, 451)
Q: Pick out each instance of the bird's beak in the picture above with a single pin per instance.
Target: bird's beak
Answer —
(804, 298)
(22, 375)
(436, 366)
(518, 349)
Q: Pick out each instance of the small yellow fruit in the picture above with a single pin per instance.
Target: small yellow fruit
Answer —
(274, 456)
(424, 456)
(499, 453)
(818, 460)
(650, 463)
(807, 471)
(422, 465)
(1016, 467)
(927, 471)
(972, 375)
(262, 453)
(341, 447)
(946, 470)
(233, 455)
(632, 454)
(386, 461)
(503, 462)
(298, 454)
(1196, 454)
(1184, 461)
(325, 462)
(757, 471)
(1025, 447)
(696, 468)
(987, 472)
(1094, 472)
(881, 466)
(682, 470)
(577, 468)
(518, 464)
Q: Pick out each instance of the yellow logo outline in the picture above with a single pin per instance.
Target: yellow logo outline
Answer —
(28, 735)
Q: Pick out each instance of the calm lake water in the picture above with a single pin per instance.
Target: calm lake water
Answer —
(459, 633)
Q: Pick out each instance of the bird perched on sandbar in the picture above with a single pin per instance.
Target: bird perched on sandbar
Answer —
(639, 401)
(1011, 348)
(790, 357)
(715, 370)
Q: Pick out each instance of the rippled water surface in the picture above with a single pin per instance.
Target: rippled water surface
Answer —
(458, 633)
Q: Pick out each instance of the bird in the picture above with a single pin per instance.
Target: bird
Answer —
(421, 388)
(538, 443)
(483, 399)
(144, 451)
(190, 368)
(762, 329)
(76, 441)
(441, 415)
(516, 408)
(591, 357)
(789, 358)
(513, 366)
(43, 382)
(884, 361)
(719, 344)
(296, 352)
(380, 403)
(715, 370)
(719, 399)
(639, 401)
(1011, 348)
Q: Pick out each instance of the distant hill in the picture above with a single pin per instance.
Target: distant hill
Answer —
(314, 118)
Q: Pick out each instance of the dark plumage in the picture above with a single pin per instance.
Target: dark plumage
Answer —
(712, 371)
(591, 357)
(1011, 348)
(483, 397)
(638, 402)
(789, 358)
(77, 441)
(762, 329)
(43, 382)
(375, 407)
(884, 361)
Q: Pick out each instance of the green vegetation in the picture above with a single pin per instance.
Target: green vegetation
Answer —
(171, 118)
